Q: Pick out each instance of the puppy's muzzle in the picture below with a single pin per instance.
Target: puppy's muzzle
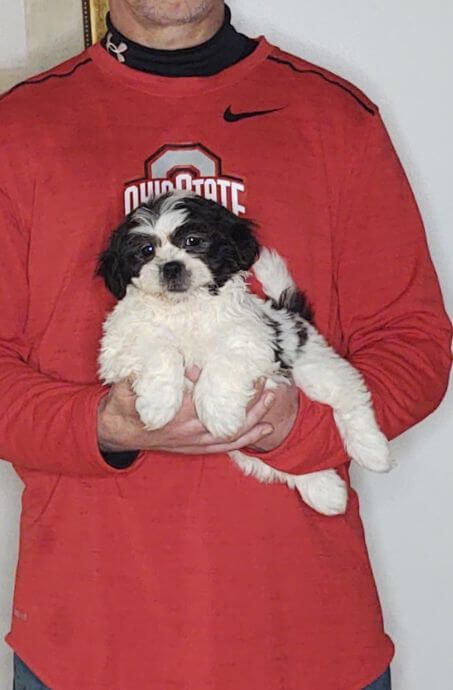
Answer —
(175, 276)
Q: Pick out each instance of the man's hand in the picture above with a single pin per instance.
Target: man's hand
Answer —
(281, 416)
(120, 427)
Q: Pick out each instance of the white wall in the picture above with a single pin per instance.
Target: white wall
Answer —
(41, 33)
(401, 55)
(13, 34)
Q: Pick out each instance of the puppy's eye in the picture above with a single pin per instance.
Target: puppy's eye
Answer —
(192, 241)
(147, 250)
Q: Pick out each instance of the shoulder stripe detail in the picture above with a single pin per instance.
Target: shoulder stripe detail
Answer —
(56, 75)
(323, 76)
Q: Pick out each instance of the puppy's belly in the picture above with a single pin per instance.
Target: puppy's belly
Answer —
(197, 353)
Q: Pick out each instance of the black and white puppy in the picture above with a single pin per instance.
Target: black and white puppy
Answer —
(178, 266)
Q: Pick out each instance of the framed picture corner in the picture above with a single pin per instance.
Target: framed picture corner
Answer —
(94, 14)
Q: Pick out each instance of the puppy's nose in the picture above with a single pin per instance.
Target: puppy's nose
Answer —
(172, 269)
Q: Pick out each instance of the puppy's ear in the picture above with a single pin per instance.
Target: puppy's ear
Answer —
(110, 269)
(239, 233)
(245, 242)
(112, 264)
(242, 234)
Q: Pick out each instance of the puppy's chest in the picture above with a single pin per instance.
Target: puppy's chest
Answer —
(196, 339)
(201, 331)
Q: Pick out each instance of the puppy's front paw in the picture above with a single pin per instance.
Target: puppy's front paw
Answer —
(325, 492)
(156, 406)
(220, 410)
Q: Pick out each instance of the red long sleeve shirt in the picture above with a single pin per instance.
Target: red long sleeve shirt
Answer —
(180, 572)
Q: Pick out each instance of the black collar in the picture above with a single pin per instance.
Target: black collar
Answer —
(225, 48)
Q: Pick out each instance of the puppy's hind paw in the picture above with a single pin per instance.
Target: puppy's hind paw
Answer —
(364, 441)
(371, 451)
(325, 492)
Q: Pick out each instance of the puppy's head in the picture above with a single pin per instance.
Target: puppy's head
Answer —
(176, 245)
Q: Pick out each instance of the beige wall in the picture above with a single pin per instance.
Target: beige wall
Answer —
(54, 33)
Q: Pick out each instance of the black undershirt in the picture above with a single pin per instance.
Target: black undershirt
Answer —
(225, 48)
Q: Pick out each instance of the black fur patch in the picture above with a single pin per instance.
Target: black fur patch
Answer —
(124, 258)
(228, 244)
(213, 289)
(302, 333)
(276, 344)
(295, 301)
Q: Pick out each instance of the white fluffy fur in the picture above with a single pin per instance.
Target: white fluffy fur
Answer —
(152, 339)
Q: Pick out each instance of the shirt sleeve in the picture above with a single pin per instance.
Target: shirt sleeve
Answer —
(394, 325)
(45, 424)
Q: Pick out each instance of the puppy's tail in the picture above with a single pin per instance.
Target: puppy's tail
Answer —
(278, 284)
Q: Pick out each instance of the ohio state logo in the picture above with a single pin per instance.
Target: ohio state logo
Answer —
(190, 167)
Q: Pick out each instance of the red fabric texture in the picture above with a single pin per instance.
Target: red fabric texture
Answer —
(180, 572)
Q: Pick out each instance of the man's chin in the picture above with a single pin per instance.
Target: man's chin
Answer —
(175, 12)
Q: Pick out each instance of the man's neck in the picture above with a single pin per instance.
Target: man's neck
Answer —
(168, 37)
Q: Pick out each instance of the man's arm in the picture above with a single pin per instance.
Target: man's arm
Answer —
(45, 424)
(394, 326)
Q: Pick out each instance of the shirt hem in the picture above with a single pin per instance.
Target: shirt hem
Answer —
(53, 685)
(26, 659)
(377, 673)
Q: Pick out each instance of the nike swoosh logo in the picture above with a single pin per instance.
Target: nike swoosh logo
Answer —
(228, 116)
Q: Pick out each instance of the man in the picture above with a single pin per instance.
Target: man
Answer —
(167, 568)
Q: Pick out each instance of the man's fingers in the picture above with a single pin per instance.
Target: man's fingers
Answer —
(122, 396)
(259, 390)
(254, 416)
(250, 438)
(196, 428)
(258, 411)
(123, 387)
(251, 432)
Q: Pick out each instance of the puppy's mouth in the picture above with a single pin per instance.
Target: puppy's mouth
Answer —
(176, 287)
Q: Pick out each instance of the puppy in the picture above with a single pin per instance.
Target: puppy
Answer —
(178, 266)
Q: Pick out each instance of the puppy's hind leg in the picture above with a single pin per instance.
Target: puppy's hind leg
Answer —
(329, 379)
(323, 491)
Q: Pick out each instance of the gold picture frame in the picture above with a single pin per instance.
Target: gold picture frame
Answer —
(94, 13)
